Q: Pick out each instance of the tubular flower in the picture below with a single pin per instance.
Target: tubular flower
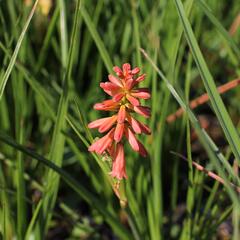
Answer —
(125, 100)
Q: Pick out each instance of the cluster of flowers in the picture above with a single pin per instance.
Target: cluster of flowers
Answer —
(125, 101)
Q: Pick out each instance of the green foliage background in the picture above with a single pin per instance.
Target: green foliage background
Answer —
(51, 65)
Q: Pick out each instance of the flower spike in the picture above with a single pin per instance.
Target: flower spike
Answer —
(125, 100)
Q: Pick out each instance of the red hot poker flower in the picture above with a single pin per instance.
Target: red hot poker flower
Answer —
(125, 101)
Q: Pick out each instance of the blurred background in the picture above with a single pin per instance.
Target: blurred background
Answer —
(53, 55)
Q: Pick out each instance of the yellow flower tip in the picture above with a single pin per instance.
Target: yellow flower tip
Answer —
(45, 6)
(123, 203)
(28, 3)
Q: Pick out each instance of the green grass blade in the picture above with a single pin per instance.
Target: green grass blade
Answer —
(136, 35)
(43, 52)
(212, 150)
(187, 228)
(219, 27)
(105, 167)
(224, 216)
(58, 139)
(21, 192)
(45, 98)
(4, 118)
(56, 152)
(35, 85)
(236, 223)
(98, 41)
(63, 33)
(33, 220)
(20, 96)
(210, 202)
(217, 103)
(72, 183)
(5, 212)
(5, 78)
(88, 40)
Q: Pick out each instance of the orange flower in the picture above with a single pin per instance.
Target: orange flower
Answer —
(125, 101)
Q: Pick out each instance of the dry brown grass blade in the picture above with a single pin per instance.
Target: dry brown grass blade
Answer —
(235, 25)
(203, 99)
(209, 173)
